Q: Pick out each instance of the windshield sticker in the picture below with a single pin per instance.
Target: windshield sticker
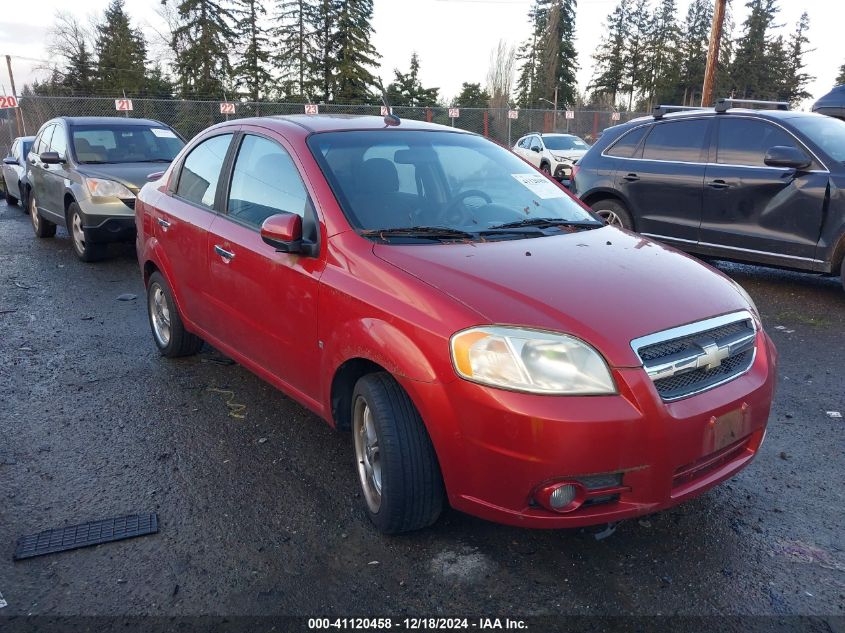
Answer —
(539, 185)
(162, 133)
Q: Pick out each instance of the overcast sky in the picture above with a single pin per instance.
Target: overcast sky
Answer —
(453, 37)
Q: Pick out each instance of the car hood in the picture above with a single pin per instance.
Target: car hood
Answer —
(571, 154)
(606, 286)
(132, 175)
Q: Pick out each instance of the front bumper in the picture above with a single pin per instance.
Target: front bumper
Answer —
(563, 171)
(112, 221)
(496, 447)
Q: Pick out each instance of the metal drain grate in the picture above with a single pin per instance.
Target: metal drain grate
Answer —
(86, 534)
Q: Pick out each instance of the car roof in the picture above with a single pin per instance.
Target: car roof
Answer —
(780, 115)
(341, 122)
(114, 120)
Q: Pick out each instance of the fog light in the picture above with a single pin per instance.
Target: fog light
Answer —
(563, 496)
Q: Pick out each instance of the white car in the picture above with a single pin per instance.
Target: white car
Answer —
(553, 154)
(14, 169)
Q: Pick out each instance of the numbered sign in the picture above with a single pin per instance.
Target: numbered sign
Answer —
(385, 111)
(227, 108)
(614, 116)
(8, 102)
(123, 105)
(312, 108)
(513, 114)
(454, 113)
(570, 114)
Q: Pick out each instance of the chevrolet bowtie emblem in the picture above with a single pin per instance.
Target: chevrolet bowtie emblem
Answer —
(713, 355)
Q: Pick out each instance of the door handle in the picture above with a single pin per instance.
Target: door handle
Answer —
(718, 184)
(163, 223)
(227, 255)
(631, 177)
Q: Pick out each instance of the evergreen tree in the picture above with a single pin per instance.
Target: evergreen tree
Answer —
(750, 67)
(79, 77)
(323, 64)
(472, 96)
(251, 72)
(203, 43)
(610, 56)
(296, 56)
(636, 51)
(157, 84)
(355, 55)
(525, 81)
(797, 79)
(664, 55)
(73, 71)
(694, 40)
(406, 89)
(841, 78)
(121, 52)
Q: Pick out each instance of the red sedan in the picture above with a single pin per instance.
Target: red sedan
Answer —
(485, 338)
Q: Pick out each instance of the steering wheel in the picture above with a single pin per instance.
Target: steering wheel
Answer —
(452, 214)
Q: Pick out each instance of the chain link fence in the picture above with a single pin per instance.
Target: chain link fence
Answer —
(191, 117)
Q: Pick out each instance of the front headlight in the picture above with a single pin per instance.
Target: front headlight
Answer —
(534, 361)
(104, 188)
(561, 159)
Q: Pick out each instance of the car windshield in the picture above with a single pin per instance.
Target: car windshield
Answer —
(827, 132)
(564, 142)
(441, 185)
(108, 143)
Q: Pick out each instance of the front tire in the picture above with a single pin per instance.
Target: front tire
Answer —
(546, 169)
(10, 199)
(42, 228)
(842, 273)
(614, 213)
(169, 333)
(395, 459)
(85, 250)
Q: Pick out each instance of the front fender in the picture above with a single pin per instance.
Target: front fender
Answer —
(152, 252)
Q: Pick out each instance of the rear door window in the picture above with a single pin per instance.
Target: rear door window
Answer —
(201, 171)
(744, 141)
(681, 141)
(627, 145)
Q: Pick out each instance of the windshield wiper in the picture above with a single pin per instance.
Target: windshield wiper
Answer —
(547, 223)
(422, 232)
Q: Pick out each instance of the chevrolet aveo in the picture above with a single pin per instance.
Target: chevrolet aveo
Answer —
(486, 339)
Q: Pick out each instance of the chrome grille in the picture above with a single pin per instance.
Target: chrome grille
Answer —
(692, 358)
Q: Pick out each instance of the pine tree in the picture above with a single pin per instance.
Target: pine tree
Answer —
(750, 66)
(251, 72)
(472, 95)
(80, 75)
(841, 78)
(797, 79)
(664, 55)
(694, 40)
(203, 42)
(296, 55)
(609, 57)
(74, 69)
(323, 64)
(355, 55)
(636, 51)
(121, 52)
(406, 89)
(525, 81)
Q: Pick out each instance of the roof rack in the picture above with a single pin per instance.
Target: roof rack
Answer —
(659, 110)
(723, 105)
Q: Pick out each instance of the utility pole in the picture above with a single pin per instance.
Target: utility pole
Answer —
(18, 119)
(713, 53)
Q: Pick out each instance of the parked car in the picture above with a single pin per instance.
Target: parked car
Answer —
(84, 173)
(14, 170)
(833, 103)
(459, 313)
(758, 186)
(553, 154)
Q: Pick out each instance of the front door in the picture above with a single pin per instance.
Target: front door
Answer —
(265, 301)
(663, 184)
(52, 194)
(756, 212)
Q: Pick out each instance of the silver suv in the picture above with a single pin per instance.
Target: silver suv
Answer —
(84, 172)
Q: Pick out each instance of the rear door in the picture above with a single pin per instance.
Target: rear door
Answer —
(756, 212)
(183, 218)
(36, 167)
(265, 302)
(9, 176)
(663, 182)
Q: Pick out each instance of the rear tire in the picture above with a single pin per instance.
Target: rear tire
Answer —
(10, 199)
(614, 213)
(41, 227)
(395, 459)
(546, 169)
(169, 333)
(85, 250)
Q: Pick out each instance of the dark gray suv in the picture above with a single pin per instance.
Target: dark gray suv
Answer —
(759, 186)
(84, 172)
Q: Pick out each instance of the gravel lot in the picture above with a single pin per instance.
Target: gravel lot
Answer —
(261, 515)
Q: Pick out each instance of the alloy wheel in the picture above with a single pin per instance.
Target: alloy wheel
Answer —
(610, 218)
(159, 315)
(367, 453)
(33, 213)
(77, 233)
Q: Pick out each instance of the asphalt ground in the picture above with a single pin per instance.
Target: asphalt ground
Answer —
(258, 503)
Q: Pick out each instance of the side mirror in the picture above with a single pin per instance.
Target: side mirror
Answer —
(50, 158)
(785, 156)
(10, 160)
(283, 232)
(155, 175)
(536, 148)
